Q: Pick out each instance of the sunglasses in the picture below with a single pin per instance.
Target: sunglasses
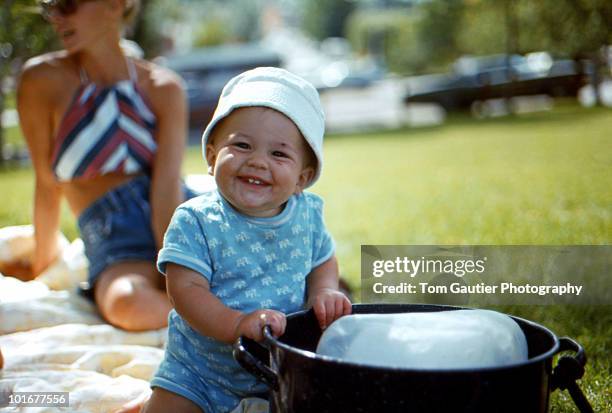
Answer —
(53, 8)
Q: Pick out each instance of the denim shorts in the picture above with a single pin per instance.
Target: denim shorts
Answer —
(117, 227)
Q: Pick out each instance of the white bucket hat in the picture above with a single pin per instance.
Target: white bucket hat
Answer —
(280, 90)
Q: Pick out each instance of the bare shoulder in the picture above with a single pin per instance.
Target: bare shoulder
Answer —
(161, 83)
(48, 73)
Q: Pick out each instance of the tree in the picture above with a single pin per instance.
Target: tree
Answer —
(575, 28)
(23, 33)
(326, 18)
(438, 30)
(402, 52)
(151, 23)
(229, 22)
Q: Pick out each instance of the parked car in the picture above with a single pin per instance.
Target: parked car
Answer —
(207, 70)
(348, 73)
(498, 76)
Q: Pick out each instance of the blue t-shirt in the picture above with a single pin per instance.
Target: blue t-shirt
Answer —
(250, 263)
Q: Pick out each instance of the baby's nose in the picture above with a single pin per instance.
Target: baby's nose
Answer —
(257, 160)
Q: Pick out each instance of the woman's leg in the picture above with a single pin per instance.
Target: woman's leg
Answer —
(164, 401)
(132, 296)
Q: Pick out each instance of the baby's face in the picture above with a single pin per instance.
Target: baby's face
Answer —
(259, 159)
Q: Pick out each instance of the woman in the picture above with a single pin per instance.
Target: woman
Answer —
(107, 132)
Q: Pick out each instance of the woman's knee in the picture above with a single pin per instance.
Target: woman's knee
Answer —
(144, 309)
(131, 301)
(120, 304)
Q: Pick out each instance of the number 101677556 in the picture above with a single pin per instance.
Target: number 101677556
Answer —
(35, 399)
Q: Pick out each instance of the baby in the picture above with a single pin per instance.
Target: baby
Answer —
(241, 256)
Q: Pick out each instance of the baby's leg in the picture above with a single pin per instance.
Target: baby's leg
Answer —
(163, 401)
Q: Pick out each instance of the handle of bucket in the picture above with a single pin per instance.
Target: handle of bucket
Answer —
(568, 370)
(254, 365)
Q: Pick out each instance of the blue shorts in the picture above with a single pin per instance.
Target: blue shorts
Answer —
(180, 379)
(117, 227)
(215, 382)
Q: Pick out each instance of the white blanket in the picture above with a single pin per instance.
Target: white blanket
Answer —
(53, 340)
(100, 366)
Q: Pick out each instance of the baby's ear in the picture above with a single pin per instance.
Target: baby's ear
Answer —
(305, 177)
(211, 157)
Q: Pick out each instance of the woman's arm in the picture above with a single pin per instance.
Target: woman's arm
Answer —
(190, 295)
(169, 103)
(35, 118)
(324, 297)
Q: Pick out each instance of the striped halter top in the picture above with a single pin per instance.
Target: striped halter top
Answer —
(105, 130)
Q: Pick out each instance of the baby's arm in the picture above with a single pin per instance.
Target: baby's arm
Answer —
(326, 300)
(190, 294)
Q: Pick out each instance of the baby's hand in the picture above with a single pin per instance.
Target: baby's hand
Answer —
(329, 305)
(251, 325)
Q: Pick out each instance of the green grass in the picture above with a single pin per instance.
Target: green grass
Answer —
(535, 179)
(13, 136)
(544, 180)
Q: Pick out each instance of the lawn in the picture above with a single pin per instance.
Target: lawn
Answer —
(536, 179)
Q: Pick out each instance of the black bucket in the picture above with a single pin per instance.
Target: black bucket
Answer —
(304, 382)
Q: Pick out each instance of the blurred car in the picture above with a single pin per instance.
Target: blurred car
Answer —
(498, 76)
(207, 70)
(346, 74)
